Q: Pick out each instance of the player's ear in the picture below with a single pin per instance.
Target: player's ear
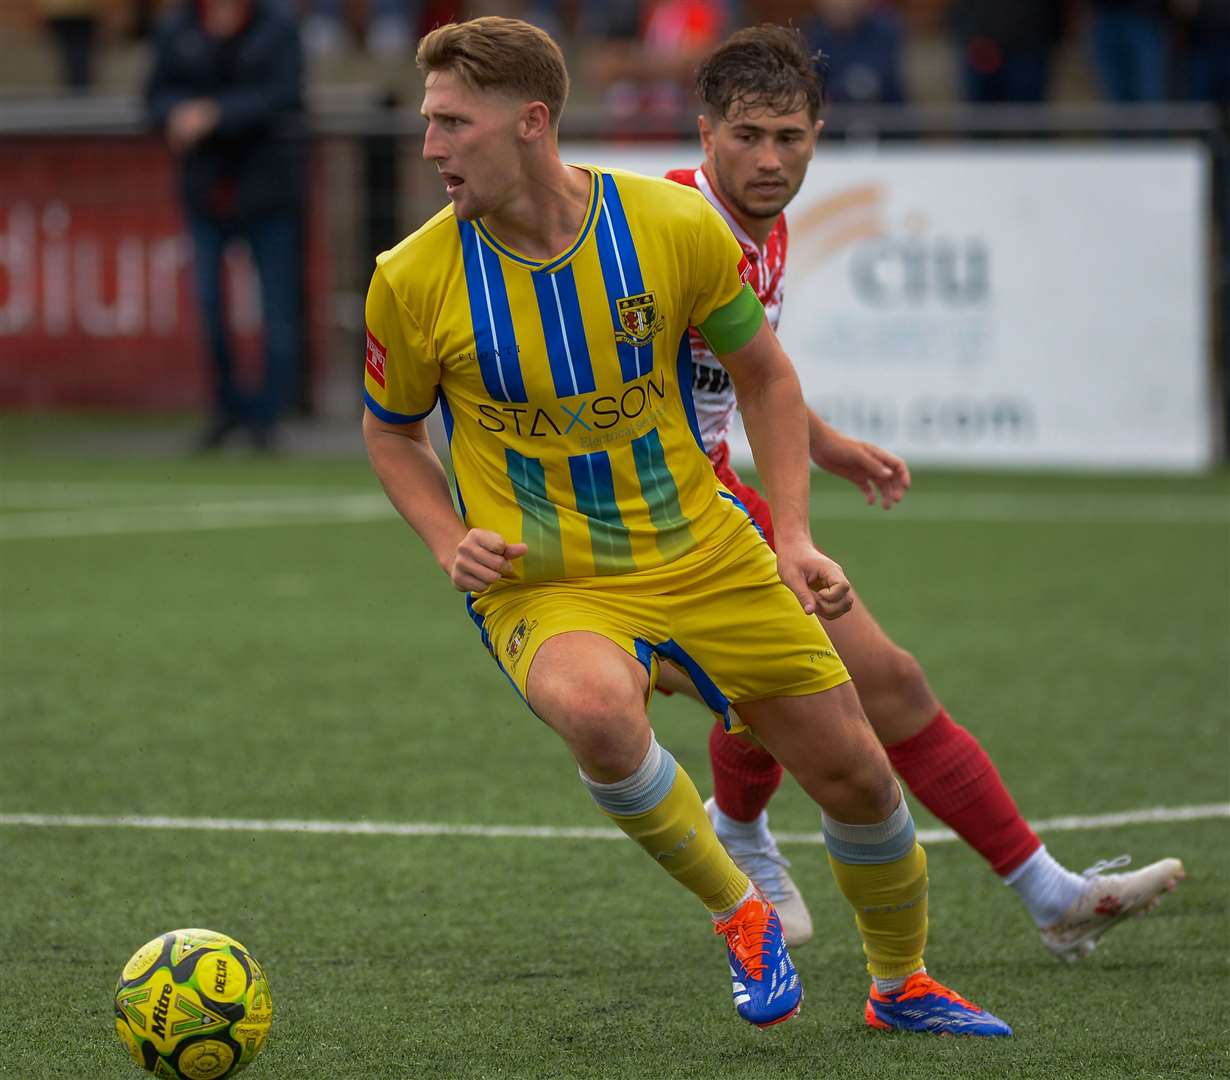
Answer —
(706, 132)
(819, 127)
(535, 120)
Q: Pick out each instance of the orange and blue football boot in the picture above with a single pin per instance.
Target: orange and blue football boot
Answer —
(922, 1004)
(765, 985)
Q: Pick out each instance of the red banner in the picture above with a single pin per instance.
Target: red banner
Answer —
(97, 303)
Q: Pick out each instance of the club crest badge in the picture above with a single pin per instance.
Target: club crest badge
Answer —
(639, 321)
(517, 639)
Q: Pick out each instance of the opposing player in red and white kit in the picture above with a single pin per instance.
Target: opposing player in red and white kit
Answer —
(762, 91)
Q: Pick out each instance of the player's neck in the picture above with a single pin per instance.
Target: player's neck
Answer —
(543, 218)
(758, 229)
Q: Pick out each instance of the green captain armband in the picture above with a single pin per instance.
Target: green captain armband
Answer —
(735, 324)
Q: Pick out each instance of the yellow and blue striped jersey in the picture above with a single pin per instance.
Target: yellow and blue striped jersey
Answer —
(565, 384)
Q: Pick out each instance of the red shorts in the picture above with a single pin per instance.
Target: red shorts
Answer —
(748, 496)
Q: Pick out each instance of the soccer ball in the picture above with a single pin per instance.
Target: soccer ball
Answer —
(192, 1005)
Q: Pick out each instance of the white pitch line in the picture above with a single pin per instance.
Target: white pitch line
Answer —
(1152, 816)
(195, 517)
(79, 494)
(1041, 508)
(317, 507)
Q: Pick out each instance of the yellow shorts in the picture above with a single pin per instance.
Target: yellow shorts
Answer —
(720, 613)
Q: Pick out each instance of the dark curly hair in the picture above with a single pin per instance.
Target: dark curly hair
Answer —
(766, 66)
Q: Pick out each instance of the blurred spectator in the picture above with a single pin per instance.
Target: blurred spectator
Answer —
(1206, 68)
(610, 25)
(612, 29)
(142, 15)
(862, 44)
(646, 53)
(226, 90)
(1005, 47)
(547, 15)
(74, 27)
(390, 32)
(1131, 48)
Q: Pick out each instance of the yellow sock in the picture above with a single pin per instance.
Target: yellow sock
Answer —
(883, 873)
(660, 808)
(890, 910)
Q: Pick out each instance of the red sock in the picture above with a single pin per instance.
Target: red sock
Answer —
(952, 776)
(744, 776)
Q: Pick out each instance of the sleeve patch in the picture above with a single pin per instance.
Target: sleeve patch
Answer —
(376, 357)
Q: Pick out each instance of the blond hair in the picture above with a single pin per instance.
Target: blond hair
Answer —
(495, 53)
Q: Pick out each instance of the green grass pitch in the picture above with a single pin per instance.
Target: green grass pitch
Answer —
(323, 669)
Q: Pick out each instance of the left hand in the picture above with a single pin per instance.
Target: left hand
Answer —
(190, 122)
(868, 467)
(819, 583)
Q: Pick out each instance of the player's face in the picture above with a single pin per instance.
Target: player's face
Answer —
(472, 141)
(757, 159)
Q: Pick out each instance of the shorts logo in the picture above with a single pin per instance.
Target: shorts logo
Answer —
(376, 356)
(639, 321)
(516, 640)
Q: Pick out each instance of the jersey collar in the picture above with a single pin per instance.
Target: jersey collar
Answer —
(546, 266)
(706, 189)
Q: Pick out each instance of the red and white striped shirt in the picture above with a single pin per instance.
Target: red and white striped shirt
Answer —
(712, 393)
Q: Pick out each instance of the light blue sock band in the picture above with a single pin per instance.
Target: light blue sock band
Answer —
(884, 842)
(640, 792)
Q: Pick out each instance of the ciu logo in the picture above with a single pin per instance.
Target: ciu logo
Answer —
(905, 265)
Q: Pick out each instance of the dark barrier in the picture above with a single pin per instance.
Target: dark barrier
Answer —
(97, 306)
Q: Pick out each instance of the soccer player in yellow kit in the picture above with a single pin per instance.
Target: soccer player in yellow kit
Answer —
(546, 310)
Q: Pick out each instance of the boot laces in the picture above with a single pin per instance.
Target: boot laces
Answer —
(921, 985)
(1102, 865)
(745, 932)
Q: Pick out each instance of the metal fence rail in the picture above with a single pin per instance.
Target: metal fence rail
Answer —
(357, 112)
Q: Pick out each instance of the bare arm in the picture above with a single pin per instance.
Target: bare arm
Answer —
(776, 419)
(775, 416)
(868, 467)
(416, 485)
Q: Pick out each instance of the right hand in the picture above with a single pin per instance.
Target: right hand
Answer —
(482, 559)
(819, 583)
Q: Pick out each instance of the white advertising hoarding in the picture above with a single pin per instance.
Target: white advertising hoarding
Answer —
(1006, 305)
